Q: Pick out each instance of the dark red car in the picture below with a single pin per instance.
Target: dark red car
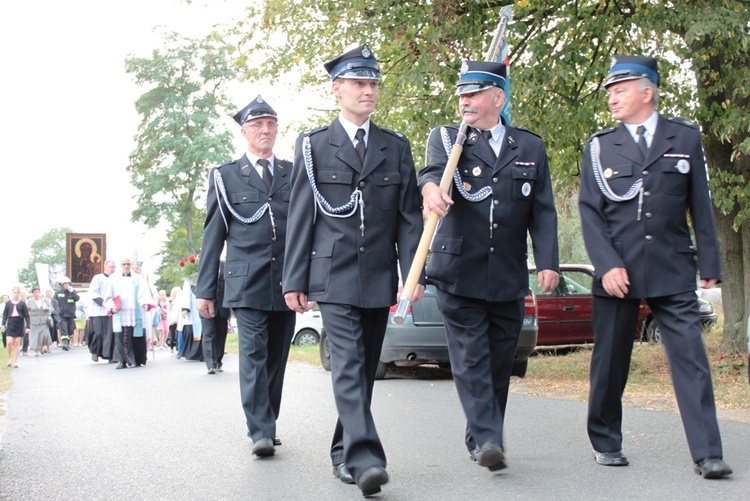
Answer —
(564, 315)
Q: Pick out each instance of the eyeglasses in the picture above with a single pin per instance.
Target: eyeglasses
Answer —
(126, 264)
(254, 125)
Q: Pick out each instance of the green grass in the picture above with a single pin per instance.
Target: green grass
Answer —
(4, 375)
(305, 354)
(649, 383)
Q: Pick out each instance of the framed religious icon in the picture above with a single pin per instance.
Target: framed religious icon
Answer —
(85, 253)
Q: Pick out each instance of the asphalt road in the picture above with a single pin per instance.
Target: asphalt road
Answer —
(75, 429)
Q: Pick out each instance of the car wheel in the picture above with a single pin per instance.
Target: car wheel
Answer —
(519, 368)
(325, 352)
(381, 370)
(306, 337)
(653, 333)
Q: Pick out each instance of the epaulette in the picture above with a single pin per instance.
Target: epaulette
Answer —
(310, 132)
(224, 164)
(394, 133)
(526, 130)
(686, 123)
(602, 132)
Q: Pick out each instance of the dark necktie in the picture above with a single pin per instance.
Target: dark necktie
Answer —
(360, 137)
(266, 165)
(642, 144)
(488, 135)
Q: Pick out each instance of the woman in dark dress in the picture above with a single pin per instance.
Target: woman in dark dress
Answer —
(16, 323)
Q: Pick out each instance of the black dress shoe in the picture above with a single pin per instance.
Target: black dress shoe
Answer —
(371, 480)
(276, 441)
(712, 468)
(610, 458)
(264, 447)
(121, 365)
(491, 456)
(341, 472)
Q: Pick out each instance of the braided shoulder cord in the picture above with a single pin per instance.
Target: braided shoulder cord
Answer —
(481, 194)
(602, 182)
(471, 197)
(326, 208)
(221, 190)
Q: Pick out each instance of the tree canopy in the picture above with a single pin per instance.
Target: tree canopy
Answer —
(560, 51)
(47, 249)
(180, 136)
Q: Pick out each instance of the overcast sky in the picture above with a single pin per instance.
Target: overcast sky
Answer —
(69, 120)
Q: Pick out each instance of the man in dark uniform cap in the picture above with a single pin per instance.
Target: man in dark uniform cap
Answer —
(480, 270)
(638, 182)
(247, 205)
(354, 214)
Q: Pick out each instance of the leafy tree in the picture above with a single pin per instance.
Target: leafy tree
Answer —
(560, 53)
(180, 135)
(178, 247)
(48, 249)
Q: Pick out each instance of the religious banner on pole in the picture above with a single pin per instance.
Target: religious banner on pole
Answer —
(85, 254)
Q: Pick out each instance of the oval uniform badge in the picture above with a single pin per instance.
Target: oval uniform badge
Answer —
(526, 189)
(683, 166)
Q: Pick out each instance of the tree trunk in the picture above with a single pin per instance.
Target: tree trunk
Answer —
(734, 283)
(745, 330)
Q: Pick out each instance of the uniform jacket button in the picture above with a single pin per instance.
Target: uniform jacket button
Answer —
(649, 237)
(361, 184)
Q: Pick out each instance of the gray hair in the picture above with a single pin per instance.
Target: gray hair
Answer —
(645, 83)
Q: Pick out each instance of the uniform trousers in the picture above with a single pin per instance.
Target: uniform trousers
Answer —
(614, 322)
(482, 340)
(214, 340)
(355, 337)
(264, 339)
(67, 327)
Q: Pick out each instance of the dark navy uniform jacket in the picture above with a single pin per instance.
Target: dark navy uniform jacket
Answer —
(466, 259)
(330, 259)
(255, 257)
(657, 250)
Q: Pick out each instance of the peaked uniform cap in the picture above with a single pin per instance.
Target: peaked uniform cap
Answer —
(477, 76)
(258, 108)
(626, 68)
(359, 63)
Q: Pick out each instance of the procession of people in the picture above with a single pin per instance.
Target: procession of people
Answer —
(355, 203)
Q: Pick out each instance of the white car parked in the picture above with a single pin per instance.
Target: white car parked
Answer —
(309, 328)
